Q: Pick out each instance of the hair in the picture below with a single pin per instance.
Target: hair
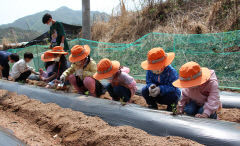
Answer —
(45, 18)
(118, 73)
(63, 65)
(47, 64)
(88, 61)
(14, 57)
(28, 55)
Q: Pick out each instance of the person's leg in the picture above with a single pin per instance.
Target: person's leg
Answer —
(23, 76)
(168, 100)
(110, 90)
(150, 100)
(5, 71)
(191, 108)
(73, 82)
(122, 92)
(89, 83)
(212, 116)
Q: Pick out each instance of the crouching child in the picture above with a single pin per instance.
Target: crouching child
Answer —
(121, 85)
(159, 79)
(200, 94)
(20, 70)
(80, 74)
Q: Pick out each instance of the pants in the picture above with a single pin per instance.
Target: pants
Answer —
(192, 109)
(88, 84)
(118, 92)
(168, 100)
(23, 76)
(5, 71)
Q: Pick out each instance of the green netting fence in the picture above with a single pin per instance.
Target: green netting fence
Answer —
(218, 51)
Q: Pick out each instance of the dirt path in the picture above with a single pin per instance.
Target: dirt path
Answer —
(37, 124)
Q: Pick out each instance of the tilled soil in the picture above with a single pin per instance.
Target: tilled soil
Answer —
(232, 115)
(48, 124)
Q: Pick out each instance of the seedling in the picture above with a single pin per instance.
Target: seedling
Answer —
(86, 93)
(122, 102)
(174, 108)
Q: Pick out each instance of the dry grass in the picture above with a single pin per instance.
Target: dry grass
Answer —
(193, 16)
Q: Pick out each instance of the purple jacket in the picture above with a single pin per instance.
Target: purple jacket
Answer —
(206, 95)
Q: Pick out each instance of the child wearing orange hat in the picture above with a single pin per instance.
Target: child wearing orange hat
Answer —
(122, 86)
(55, 64)
(80, 74)
(159, 79)
(200, 94)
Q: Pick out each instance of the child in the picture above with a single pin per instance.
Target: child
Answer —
(57, 67)
(5, 57)
(56, 32)
(159, 79)
(122, 85)
(200, 96)
(80, 74)
(47, 75)
(20, 70)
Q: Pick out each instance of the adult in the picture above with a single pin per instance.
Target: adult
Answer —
(57, 33)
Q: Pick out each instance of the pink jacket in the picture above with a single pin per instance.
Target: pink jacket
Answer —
(124, 79)
(206, 94)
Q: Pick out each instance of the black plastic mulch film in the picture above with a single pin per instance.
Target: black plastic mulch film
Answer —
(155, 122)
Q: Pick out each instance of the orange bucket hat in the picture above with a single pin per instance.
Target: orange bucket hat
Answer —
(157, 59)
(79, 53)
(106, 69)
(47, 57)
(57, 50)
(191, 74)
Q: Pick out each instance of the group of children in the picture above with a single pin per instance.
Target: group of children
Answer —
(20, 70)
(199, 95)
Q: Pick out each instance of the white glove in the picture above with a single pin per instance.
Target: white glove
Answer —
(62, 45)
(151, 88)
(62, 78)
(154, 91)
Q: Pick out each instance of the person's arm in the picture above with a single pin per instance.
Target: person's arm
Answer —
(22, 67)
(69, 71)
(53, 76)
(34, 72)
(92, 69)
(149, 79)
(183, 101)
(62, 41)
(213, 101)
(168, 88)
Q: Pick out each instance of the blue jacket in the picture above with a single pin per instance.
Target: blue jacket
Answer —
(4, 58)
(164, 81)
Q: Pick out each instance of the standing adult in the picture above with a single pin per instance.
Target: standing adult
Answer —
(57, 33)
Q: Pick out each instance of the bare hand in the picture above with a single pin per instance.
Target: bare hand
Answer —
(179, 110)
(201, 115)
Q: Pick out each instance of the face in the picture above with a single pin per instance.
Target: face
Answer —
(57, 57)
(158, 71)
(81, 62)
(49, 23)
(27, 60)
(11, 61)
